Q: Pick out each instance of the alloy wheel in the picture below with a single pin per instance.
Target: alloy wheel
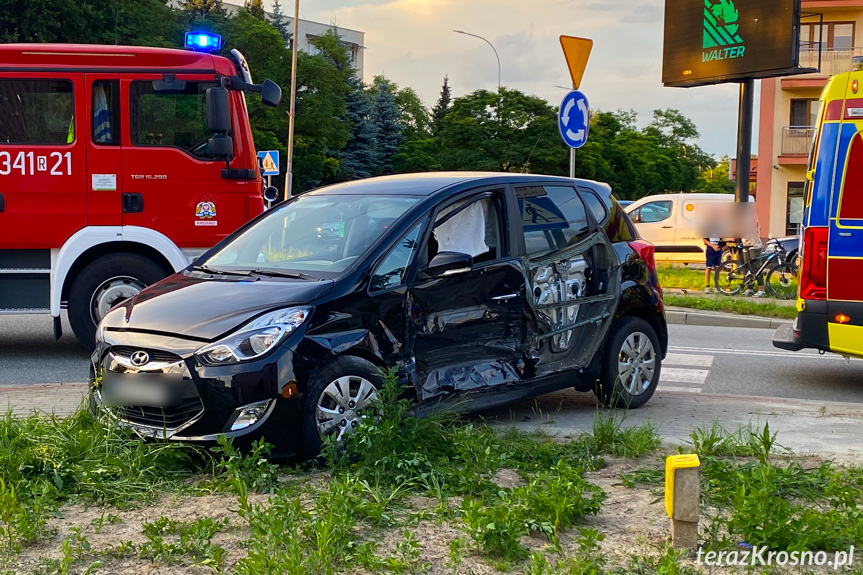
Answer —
(342, 405)
(636, 363)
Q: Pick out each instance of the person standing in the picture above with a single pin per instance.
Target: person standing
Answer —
(713, 257)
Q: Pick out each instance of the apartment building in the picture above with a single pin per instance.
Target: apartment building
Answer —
(789, 108)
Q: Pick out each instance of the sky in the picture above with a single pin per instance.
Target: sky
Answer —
(412, 43)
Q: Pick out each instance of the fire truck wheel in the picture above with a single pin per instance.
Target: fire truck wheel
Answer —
(104, 283)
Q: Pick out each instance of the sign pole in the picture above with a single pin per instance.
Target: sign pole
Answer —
(295, 39)
(572, 151)
(744, 140)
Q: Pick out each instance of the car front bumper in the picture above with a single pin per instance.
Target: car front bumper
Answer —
(199, 403)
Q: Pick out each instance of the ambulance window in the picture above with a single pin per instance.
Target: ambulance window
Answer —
(851, 204)
(37, 112)
(105, 110)
(177, 120)
(552, 217)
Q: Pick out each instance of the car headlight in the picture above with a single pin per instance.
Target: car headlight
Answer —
(254, 339)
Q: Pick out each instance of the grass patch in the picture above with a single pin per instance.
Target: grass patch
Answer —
(512, 500)
(756, 492)
(47, 461)
(680, 277)
(732, 305)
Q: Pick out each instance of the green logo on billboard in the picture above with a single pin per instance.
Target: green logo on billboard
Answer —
(721, 38)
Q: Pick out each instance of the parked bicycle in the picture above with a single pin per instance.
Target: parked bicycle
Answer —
(740, 271)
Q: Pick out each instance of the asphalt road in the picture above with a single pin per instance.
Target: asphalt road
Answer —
(702, 360)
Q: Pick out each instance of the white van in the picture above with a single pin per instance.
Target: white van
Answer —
(670, 222)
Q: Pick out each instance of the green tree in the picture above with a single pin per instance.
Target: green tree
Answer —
(504, 132)
(146, 22)
(322, 129)
(256, 9)
(359, 159)
(441, 108)
(414, 117)
(203, 9)
(387, 115)
(715, 179)
(280, 21)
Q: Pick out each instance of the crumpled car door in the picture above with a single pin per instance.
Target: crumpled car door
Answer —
(573, 292)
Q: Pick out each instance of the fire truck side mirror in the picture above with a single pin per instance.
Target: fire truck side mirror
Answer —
(271, 93)
(271, 193)
(220, 147)
(218, 110)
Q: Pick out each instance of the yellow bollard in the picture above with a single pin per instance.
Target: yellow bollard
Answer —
(683, 498)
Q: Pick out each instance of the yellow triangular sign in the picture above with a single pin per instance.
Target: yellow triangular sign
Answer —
(269, 164)
(577, 52)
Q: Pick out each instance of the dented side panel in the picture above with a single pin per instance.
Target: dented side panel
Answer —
(465, 332)
(573, 295)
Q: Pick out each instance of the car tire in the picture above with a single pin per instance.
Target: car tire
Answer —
(336, 396)
(104, 282)
(632, 342)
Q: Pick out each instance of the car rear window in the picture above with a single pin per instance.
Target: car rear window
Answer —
(595, 205)
(552, 217)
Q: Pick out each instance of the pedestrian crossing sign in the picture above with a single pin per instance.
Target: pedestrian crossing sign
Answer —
(269, 162)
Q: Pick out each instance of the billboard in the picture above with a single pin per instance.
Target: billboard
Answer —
(714, 41)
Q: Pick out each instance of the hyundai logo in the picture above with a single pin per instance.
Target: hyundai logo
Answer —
(140, 358)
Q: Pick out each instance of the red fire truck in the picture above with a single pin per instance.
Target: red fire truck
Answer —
(118, 166)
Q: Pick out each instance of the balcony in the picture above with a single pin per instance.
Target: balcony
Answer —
(796, 143)
(832, 61)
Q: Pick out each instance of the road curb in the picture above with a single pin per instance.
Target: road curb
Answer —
(680, 316)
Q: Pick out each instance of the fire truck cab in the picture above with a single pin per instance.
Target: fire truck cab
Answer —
(118, 166)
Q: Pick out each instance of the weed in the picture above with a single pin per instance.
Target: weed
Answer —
(121, 550)
(668, 562)
(22, 519)
(99, 522)
(553, 499)
(609, 435)
(192, 540)
(456, 554)
(73, 549)
(744, 442)
(289, 539)
(588, 559)
(243, 473)
(643, 477)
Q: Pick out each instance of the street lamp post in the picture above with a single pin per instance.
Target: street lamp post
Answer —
(492, 47)
(289, 177)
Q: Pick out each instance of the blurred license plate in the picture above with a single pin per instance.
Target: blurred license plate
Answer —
(146, 390)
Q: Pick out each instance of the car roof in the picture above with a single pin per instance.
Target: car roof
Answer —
(430, 183)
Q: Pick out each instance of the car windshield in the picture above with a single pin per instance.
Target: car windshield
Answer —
(315, 236)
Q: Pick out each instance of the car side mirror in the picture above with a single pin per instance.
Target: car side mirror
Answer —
(448, 264)
(636, 218)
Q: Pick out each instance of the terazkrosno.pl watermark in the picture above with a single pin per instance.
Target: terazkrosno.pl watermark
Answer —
(762, 556)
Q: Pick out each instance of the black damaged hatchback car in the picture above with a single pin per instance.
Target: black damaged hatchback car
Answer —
(480, 288)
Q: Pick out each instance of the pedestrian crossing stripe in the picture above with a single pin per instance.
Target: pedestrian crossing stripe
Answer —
(684, 373)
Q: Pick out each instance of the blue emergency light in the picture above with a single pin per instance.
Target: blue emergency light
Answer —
(203, 41)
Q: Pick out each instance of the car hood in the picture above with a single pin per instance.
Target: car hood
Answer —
(205, 307)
